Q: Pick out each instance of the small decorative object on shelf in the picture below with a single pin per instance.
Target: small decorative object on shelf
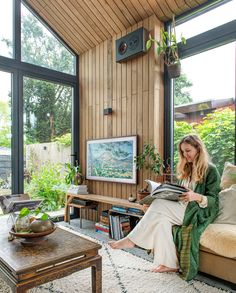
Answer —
(132, 198)
(74, 174)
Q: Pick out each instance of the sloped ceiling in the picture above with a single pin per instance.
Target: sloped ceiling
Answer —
(83, 24)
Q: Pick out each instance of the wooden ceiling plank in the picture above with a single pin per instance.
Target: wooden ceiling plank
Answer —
(141, 11)
(57, 27)
(64, 28)
(93, 17)
(126, 12)
(119, 13)
(189, 3)
(147, 7)
(112, 14)
(101, 18)
(165, 8)
(83, 23)
(158, 11)
(89, 20)
(173, 5)
(72, 21)
(129, 6)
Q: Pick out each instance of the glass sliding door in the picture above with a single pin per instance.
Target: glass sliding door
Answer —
(5, 132)
(47, 139)
(204, 102)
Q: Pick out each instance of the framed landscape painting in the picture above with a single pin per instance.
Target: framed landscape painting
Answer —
(112, 159)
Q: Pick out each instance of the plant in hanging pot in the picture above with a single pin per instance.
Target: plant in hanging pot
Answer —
(167, 47)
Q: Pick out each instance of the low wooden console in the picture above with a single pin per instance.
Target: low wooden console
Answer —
(98, 199)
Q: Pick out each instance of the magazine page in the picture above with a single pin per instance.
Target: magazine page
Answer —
(152, 185)
(169, 195)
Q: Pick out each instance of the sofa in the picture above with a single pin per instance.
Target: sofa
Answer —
(218, 242)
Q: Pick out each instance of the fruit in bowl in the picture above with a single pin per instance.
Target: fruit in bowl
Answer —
(41, 225)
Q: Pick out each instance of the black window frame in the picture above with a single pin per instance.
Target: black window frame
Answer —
(210, 39)
(21, 69)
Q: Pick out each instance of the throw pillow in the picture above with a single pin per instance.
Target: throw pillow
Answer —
(227, 204)
(229, 176)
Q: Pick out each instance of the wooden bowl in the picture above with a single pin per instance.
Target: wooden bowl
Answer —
(31, 239)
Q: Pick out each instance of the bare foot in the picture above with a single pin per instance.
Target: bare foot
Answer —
(163, 269)
(122, 243)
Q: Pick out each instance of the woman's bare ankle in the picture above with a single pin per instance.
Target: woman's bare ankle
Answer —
(163, 269)
(122, 243)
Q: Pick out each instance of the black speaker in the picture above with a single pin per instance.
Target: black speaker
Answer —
(131, 45)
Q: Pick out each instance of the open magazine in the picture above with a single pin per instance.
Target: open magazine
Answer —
(168, 191)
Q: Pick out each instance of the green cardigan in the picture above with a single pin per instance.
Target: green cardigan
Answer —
(196, 219)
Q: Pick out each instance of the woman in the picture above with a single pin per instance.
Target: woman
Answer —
(169, 225)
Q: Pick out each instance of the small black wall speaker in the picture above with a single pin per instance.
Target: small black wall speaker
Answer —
(131, 45)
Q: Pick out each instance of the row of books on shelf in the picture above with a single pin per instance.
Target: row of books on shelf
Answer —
(119, 225)
(127, 210)
(102, 226)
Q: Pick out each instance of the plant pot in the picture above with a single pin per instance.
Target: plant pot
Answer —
(78, 179)
(174, 70)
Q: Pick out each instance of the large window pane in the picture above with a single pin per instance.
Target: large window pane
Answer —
(204, 99)
(6, 28)
(47, 139)
(41, 48)
(5, 133)
(209, 20)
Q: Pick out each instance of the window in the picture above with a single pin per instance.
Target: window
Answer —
(6, 28)
(208, 20)
(5, 133)
(35, 109)
(205, 103)
(41, 47)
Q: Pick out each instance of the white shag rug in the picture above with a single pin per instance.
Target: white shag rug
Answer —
(122, 272)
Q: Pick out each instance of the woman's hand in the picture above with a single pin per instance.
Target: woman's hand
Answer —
(191, 196)
(145, 207)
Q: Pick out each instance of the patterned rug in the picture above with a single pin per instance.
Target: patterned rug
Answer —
(122, 273)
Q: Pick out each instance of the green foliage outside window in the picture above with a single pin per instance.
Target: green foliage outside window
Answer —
(48, 184)
(217, 130)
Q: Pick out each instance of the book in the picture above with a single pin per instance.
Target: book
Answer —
(168, 191)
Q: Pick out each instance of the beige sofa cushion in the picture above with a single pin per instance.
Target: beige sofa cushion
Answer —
(229, 176)
(220, 238)
(227, 206)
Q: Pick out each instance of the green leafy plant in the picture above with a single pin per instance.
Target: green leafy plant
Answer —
(72, 171)
(44, 184)
(150, 159)
(24, 212)
(167, 46)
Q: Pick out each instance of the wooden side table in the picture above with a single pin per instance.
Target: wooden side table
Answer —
(80, 207)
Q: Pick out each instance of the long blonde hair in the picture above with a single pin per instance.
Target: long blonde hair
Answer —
(196, 171)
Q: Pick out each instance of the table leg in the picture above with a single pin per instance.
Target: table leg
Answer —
(97, 276)
(80, 215)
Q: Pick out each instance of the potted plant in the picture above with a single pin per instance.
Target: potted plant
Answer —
(149, 159)
(74, 174)
(167, 47)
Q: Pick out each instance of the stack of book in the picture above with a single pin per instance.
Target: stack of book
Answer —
(120, 226)
(103, 225)
(119, 209)
(78, 189)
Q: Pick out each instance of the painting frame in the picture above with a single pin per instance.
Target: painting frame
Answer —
(112, 159)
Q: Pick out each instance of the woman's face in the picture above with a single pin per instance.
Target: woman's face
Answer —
(189, 152)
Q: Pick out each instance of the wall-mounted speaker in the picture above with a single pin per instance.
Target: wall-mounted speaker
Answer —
(131, 45)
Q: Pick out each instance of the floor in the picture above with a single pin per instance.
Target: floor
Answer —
(88, 229)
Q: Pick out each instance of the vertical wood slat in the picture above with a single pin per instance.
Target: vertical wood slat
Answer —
(133, 90)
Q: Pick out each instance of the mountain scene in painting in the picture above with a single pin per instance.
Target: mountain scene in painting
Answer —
(111, 159)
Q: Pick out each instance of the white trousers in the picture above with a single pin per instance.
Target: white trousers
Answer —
(154, 231)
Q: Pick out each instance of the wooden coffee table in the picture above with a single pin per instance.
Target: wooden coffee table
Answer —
(61, 255)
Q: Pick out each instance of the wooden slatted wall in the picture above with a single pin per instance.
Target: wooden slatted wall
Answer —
(134, 91)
